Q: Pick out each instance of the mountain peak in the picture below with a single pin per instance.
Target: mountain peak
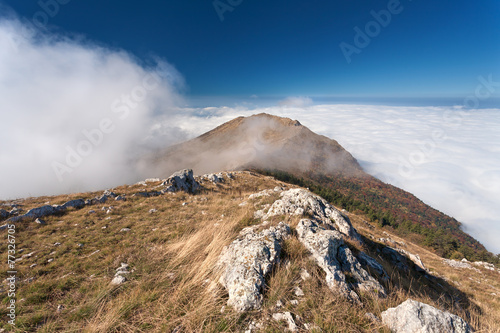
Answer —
(259, 141)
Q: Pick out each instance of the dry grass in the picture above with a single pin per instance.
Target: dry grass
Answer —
(172, 254)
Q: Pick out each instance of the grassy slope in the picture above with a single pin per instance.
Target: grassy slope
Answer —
(172, 253)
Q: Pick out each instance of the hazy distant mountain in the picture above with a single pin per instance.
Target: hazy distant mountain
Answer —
(260, 141)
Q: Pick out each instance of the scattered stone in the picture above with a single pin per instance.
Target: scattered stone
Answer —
(40, 221)
(243, 204)
(33, 265)
(286, 316)
(60, 307)
(246, 262)
(153, 210)
(413, 316)
(28, 255)
(460, 264)
(279, 304)
(57, 244)
(223, 309)
(294, 302)
(118, 279)
(125, 230)
(152, 180)
(184, 204)
(214, 178)
(80, 245)
(119, 275)
(486, 265)
(304, 274)
(50, 260)
(253, 326)
(120, 198)
(91, 212)
(298, 292)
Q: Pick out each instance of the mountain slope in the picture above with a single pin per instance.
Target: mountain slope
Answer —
(272, 144)
(169, 244)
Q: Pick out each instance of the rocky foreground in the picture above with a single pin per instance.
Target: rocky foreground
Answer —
(194, 247)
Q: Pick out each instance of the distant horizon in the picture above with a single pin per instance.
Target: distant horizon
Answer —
(200, 101)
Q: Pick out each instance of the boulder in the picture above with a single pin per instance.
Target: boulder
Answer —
(415, 317)
(246, 262)
(77, 204)
(182, 181)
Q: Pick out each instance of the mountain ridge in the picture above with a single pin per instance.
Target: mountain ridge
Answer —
(273, 144)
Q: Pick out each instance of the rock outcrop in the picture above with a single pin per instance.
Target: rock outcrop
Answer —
(415, 317)
(246, 262)
(330, 253)
(182, 181)
(300, 201)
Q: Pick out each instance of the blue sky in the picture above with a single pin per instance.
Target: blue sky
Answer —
(287, 48)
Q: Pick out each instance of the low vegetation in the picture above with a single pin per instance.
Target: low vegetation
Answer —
(171, 253)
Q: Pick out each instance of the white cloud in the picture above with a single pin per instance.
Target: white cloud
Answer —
(297, 101)
(53, 90)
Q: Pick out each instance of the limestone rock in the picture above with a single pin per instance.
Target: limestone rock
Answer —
(459, 264)
(366, 260)
(119, 275)
(246, 261)
(214, 178)
(415, 317)
(365, 281)
(324, 245)
(182, 181)
(300, 201)
(77, 204)
(328, 249)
